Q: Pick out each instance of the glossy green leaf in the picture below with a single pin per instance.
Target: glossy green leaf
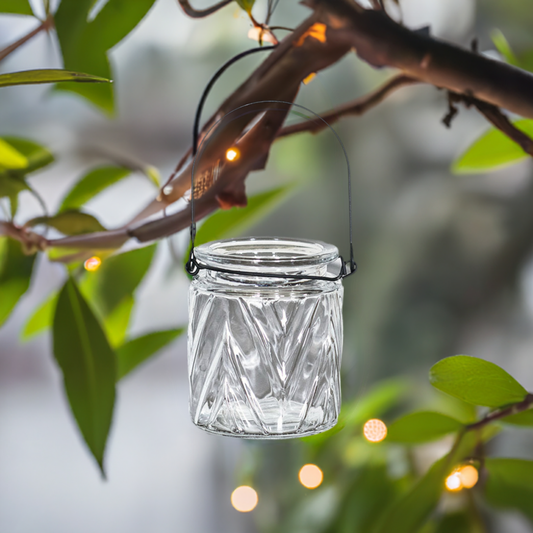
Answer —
(41, 319)
(15, 275)
(70, 223)
(247, 5)
(225, 224)
(509, 484)
(32, 77)
(117, 278)
(10, 158)
(493, 150)
(423, 426)
(92, 184)
(16, 7)
(476, 381)
(520, 419)
(137, 351)
(116, 323)
(89, 367)
(37, 156)
(503, 46)
(84, 43)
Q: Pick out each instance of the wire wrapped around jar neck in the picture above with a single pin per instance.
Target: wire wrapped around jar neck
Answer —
(193, 266)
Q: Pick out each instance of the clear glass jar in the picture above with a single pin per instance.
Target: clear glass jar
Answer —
(264, 353)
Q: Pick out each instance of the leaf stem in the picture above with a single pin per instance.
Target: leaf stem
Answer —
(46, 25)
(524, 405)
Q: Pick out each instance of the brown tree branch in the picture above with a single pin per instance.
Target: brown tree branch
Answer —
(335, 27)
(514, 409)
(356, 107)
(46, 25)
(200, 13)
(495, 116)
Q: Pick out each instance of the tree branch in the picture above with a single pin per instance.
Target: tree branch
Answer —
(200, 13)
(335, 27)
(524, 405)
(356, 107)
(46, 25)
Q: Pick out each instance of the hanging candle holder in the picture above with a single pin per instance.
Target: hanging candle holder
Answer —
(265, 324)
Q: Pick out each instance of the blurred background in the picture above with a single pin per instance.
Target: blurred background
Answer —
(444, 268)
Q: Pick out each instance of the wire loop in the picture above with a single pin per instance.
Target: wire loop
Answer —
(193, 266)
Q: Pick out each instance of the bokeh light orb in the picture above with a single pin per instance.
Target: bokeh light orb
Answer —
(375, 430)
(469, 476)
(92, 264)
(310, 476)
(244, 499)
(453, 482)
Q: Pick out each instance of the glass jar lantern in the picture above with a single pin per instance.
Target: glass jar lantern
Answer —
(264, 353)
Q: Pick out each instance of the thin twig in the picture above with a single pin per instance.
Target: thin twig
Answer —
(356, 107)
(200, 13)
(496, 117)
(46, 25)
(524, 405)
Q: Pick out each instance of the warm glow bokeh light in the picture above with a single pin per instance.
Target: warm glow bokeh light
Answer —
(244, 499)
(232, 154)
(310, 476)
(375, 430)
(469, 476)
(453, 482)
(93, 264)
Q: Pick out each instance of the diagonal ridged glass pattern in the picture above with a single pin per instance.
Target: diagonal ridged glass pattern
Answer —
(264, 354)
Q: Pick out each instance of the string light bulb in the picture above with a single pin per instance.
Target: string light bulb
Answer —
(232, 154)
(310, 476)
(375, 430)
(244, 499)
(92, 264)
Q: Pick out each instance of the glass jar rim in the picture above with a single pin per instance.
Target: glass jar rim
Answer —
(267, 253)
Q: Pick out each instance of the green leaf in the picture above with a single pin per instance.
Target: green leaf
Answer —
(137, 351)
(89, 367)
(476, 381)
(117, 278)
(493, 150)
(15, 7)
(50, 75)
(69, 223)
(509, 484)
(454, 523)
(503, 46)
(371, 492)
(10, 186)
(15, 275)
(10, 158)
(520, 419)
(91, 184)
(247, 5)
(116, 323)
(85, 43)
(410, 511)
(41, 319)
(225, 224)
(36, 155)
(423, 426)
(375, 403)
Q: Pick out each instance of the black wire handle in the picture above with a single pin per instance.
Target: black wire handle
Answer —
(192, 266)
